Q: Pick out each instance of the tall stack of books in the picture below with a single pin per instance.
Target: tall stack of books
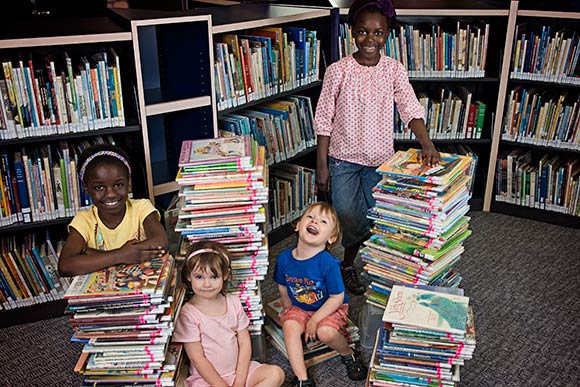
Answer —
(420, 223)
(124, 314)
(222, 198)
(426, 335)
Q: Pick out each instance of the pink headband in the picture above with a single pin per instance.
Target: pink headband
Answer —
(103, 153)
(207, 250)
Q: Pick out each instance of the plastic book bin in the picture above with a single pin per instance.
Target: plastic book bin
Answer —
(370, 319)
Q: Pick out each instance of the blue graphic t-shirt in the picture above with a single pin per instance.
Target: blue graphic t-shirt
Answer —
(311, 281)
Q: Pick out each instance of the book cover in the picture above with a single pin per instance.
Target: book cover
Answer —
(407, 164)
(427, 309)
(236, 149)
(138, 278)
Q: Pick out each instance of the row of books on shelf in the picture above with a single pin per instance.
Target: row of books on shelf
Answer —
(29, 272)
(546, 56)
(285, 127)
(41, 98)
(292, 190)
(430, 51)
(453, 114)
(41, 183)
(552, 183)
(535, 116)
(264, 62)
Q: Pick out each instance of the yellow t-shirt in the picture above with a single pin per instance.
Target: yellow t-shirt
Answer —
(100, 237)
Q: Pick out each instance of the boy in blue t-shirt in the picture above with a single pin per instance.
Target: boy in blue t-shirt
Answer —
(312, 293)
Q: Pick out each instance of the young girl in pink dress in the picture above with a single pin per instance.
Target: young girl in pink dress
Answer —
(214, 328)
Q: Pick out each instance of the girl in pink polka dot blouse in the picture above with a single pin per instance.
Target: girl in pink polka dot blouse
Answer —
(354, 125)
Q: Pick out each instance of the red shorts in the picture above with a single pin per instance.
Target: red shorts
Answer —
(337, 320)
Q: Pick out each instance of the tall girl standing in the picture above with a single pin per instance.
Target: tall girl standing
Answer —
(354, 124)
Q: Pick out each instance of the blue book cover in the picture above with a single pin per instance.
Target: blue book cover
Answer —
(36, 256)
(298, 36)
(22, 189)
(34, 271)
(6, 289)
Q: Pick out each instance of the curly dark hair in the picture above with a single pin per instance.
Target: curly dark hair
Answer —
(383, 7)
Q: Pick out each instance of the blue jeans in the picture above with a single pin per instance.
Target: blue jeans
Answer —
(351, 187)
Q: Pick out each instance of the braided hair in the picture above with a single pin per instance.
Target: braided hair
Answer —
(384, 7)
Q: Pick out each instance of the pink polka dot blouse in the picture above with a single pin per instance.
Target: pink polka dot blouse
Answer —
(356, 109)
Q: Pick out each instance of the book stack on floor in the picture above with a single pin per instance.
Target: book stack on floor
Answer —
(315, 352)
(124, 314)
(426, 335)
(222, 197)
(420, 223)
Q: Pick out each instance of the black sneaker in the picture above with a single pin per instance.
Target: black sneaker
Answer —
(351, 280)
(303, 383)
(355, 368)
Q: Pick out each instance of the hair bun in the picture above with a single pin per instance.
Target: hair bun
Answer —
(387, 7)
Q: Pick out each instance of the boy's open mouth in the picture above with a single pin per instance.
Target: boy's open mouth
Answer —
(312, 230)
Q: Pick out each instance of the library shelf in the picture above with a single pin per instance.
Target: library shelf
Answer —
(43, 224)
(70, 136)
(32, 313)
(50, 39)
(532, 17)
(547, 216)
(297, 90)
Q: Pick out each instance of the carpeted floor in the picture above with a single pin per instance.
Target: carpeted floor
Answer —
(523, 279)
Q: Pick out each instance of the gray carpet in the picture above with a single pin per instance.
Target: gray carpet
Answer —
(523, 279)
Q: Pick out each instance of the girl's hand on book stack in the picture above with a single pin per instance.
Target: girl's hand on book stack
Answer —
(136, 252)
(429, 155)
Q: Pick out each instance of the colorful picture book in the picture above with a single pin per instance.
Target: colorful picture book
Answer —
(427, 310)
(237, 150)
(407, 164)
(139, 278)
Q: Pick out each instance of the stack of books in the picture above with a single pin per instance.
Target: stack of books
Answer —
(420, 223)
(315, 352)
(223, 193)
(427, 334)
(124, 314)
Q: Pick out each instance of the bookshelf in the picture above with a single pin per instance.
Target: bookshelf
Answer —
(532, 171)
(174, 89)
(44, 132)
(303, 150)
(164, 136)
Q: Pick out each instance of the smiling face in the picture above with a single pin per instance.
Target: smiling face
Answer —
(317, 227)
(206, 283)
(370, 33)
(108, 186)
